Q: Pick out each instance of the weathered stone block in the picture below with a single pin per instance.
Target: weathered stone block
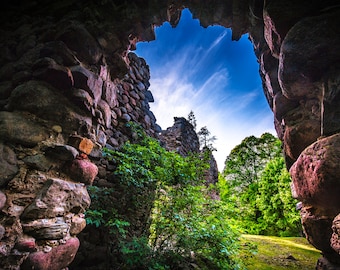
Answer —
(57, 198)
(21, 128)
(300, 66)
(44, 101)
(58, 51)
(82, 98)
(41, 229)
(335, 240)
(39, 162)
(77, 225)
(106, 111)
(78, 39)
(8, 165)
(317, 228)
(87, 80)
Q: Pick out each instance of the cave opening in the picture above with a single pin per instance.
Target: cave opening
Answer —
(202, 70)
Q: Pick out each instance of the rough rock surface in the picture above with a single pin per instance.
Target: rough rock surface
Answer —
(181, 137)
(69, 84)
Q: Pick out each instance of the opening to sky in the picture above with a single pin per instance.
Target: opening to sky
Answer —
(203, 70)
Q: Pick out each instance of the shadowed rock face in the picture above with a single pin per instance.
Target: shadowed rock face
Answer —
(68, 85)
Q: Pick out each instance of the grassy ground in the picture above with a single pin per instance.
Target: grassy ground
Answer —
(276, 253)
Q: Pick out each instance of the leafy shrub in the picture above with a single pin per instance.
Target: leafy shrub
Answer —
(188, 229)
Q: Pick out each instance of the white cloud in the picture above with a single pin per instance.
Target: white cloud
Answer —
(222, 113)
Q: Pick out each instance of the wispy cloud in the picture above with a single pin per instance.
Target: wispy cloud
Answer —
(217, 41)
(225, 114)
(192, 75)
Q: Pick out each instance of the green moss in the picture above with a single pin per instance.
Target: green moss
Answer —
(269, 253)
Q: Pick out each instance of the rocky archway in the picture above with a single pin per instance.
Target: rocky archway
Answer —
(68, 85)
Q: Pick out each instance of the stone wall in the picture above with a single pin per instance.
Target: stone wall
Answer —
(63, 98)
(68, 84)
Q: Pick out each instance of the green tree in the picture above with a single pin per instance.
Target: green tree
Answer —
(205, 139)
(247, 160)
(275, 201)
(243, 180)
(192, 119)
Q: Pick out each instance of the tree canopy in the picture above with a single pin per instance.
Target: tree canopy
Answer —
(256, 185)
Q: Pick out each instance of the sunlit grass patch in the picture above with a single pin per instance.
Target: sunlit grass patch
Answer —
(269, 253)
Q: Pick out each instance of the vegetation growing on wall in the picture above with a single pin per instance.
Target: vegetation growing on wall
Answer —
(187, 228)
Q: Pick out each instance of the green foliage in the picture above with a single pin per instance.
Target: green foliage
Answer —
(275, 201)
(187, 227)
(256, 187)
(246, 161)
(103, 212)
(205, 139)
(146, 162)
(192, 119)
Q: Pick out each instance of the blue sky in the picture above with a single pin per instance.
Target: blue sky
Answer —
(201, 69)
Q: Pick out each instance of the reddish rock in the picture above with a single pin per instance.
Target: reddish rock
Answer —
(317, 228)
(316, 173)
(335, 240)
(58, 258)
(87, 80)
(106, 111)
(83, 170)
(280, 16)
(301, 52)
(282, 105)
(82, 98)
(110, 93)
(26, 243)
(269, 67)
(300, 135)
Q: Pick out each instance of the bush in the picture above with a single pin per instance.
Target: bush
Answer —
(188, 229)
